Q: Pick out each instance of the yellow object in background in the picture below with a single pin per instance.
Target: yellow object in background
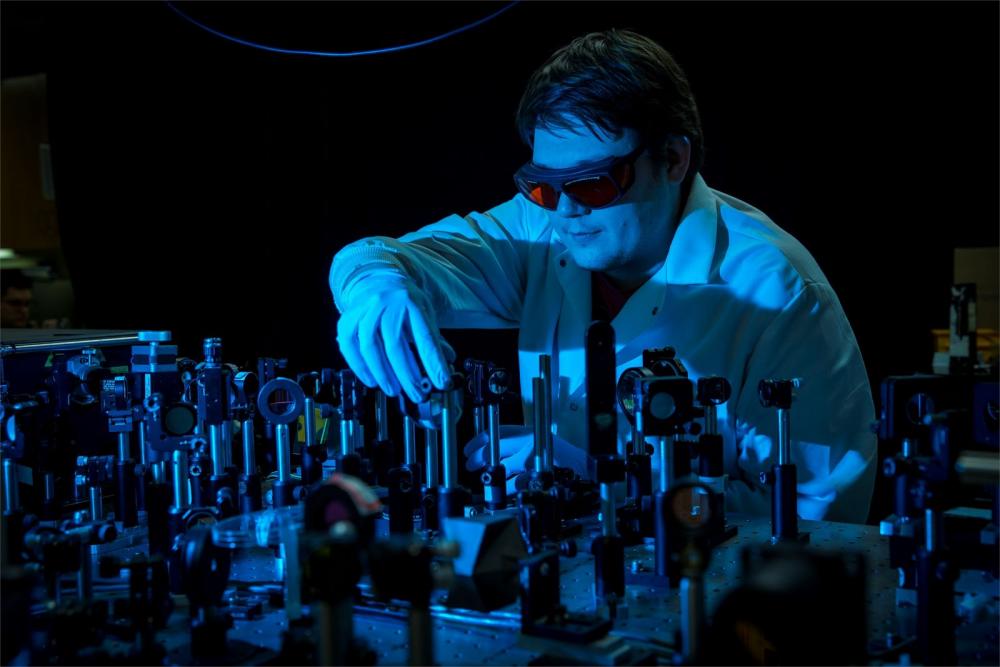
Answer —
(320, 427)
(987, 343)
(981, 266)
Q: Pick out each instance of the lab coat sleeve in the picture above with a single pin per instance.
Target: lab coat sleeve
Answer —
(832, 442)
(472, 268)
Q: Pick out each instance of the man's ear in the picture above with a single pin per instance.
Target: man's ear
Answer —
(678, 150)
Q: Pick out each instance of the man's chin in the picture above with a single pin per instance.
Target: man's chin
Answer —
(589, 261)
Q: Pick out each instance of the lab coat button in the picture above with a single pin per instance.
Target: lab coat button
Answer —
(562, 262)
(574, 407)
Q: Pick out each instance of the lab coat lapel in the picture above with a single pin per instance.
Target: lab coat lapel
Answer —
(641, 310)
(688, 262)
(692, 249)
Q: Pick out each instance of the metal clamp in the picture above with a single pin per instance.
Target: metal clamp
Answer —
(296, 401)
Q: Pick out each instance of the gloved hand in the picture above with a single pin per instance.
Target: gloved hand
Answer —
(390, 339)
(517, 452)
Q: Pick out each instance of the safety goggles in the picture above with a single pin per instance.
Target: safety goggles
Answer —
(596, 185)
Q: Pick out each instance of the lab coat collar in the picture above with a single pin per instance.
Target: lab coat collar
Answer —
(689, 259)
(575, 283)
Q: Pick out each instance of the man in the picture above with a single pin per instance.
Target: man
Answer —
(16, 300)
(612, 220)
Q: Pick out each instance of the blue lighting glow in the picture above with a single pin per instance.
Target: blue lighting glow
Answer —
(342, 54)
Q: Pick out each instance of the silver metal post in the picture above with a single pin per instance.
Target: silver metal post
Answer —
(159, 469)
(431, 454)
(215, 445)
(11, 498)
(381, 416)
(639, 433)
(309, 418)
(50, 486)
(494, 427)
(346, 437)
(326, 633)
(448, 441)
(692, 596)
(478, 422)
(930, 530)
(909, 450)
(358, 432)
(227, 444)
(182, 498)
(96, 503)
(608, 528)
(284, 451)
(784, 437)
(545, 371)
(84, 576)
(124, 446)
(665, 447)
(249, 456)
(334, 622)
(538, 406)
(141, 433)
(409, 440)
(421, 635)
(711, 419)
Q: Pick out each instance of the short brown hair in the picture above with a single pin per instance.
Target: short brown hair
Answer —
(614, 80)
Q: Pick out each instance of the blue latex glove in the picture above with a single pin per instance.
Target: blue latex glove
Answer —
(517, 453)
(390, 339)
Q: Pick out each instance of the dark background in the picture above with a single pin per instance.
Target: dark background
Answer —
(203, 186)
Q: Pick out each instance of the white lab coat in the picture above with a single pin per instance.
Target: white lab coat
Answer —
(737, 296)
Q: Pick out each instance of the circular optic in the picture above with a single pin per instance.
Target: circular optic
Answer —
(662, 406)
(280, 401)
(625, 389)
(690, 506)
(919, 406)
(179, 419)
(992, 413)
(247, 383)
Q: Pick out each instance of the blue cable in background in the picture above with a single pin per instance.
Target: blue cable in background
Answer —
(344, 54)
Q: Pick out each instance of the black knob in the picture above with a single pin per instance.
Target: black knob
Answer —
(714, 390)
(777, 393)
(568, 548)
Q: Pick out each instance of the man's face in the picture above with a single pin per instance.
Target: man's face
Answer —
(628, 240)
(14, 307)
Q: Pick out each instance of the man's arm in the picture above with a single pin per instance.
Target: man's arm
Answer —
(833, 446)
(394, 293)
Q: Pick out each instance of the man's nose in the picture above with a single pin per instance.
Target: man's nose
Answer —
(570, 208)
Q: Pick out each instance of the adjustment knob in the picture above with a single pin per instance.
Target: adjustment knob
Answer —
(777, 393)
(714, 390)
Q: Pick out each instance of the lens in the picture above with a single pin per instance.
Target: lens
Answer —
(623, 174)
(542, 194)
(592, 192)
(179, 419)
(625, 389)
